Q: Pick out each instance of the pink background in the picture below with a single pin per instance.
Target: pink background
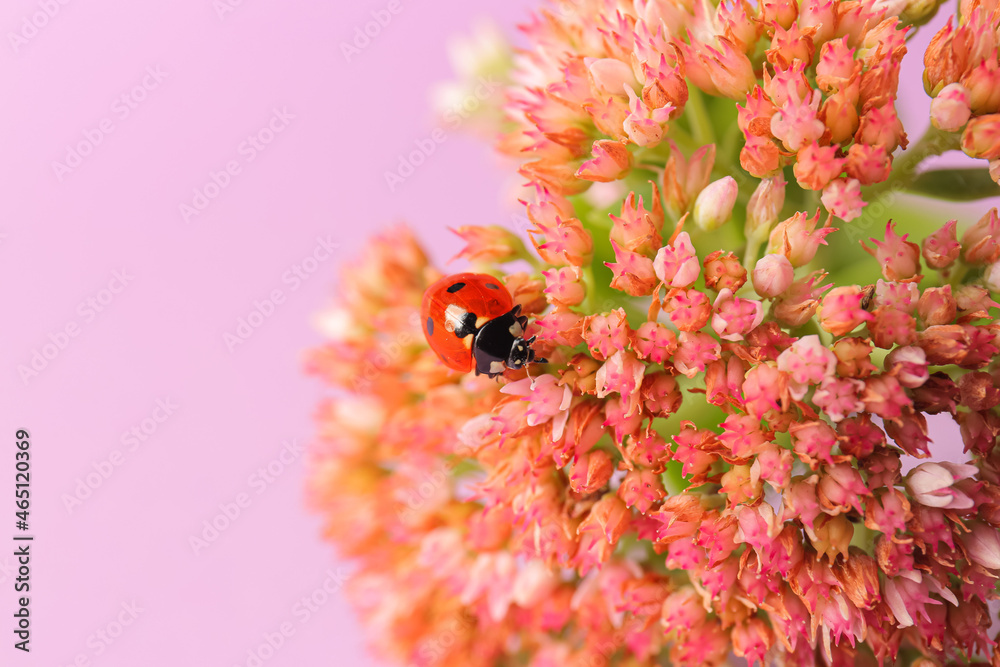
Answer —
(161, 337)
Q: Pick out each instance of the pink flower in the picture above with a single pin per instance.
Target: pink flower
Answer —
(694, 462)
(901, 296)
(868, 163)
(798, 239)
(488, 244)
(909, 431)
(818, 165)
(641, 489)
(689, 310)
(932, 484)
(607, 522)
(884, 396)
(796, 124)
(836, 65)
(742, 436)
(981, 138)
(621, 373)
(773, 465)
(638, 230)
(661, 394)
(724, 381)
(937, 306)
(611, 161)
(908, 365)
(981, 82)
(729, 71)
(606, 334)
(880, 126)
(950, 108)
(611, 75)
(841, 311)
(677, 264)
(891, 327)
(633, 273)
(694, 352)
(807, 362)
(684, 179)
(941, 248)
(733, 317)
(841, 488)
(563, 286)
(838, 397)
(655, 342)
(714, 204)
(907, 597)
(772, 275)
(842, 198)
(562, 327)
(813, 441)
(799, 302)
(622, 418)
(764, 207)
(645, 126)
(801, 503)
(762, 390)
(590, 472)
(899, 259)
(752, 640)
(683, 611)
(760, 156)
(717, 536)
(566, 242)
(981, 242)
(724, 271)
(648, 451)
(547, 401)
(982, 545)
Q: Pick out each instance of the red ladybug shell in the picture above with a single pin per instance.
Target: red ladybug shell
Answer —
(445, 305)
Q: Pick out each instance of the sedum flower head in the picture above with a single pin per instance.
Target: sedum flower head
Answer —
(739, 444)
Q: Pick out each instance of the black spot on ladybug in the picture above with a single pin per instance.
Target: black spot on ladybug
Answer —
(430, 326)
(454, 288)
(492, 286)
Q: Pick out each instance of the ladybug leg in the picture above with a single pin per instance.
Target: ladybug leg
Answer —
(521, 319)
(531, 353)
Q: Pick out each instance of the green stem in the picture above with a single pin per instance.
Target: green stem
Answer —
(751, 253)
(683, 140)
(904, 168)
(588, 281)
(697, 115)
(958, 274)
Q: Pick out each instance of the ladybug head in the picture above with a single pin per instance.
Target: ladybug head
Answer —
(500, 344)
(521, 353)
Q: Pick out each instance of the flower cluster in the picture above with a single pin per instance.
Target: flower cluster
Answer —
(963, 76)
(728, 451)
(816, 80)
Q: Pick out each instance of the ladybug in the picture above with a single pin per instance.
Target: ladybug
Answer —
(470, 319)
